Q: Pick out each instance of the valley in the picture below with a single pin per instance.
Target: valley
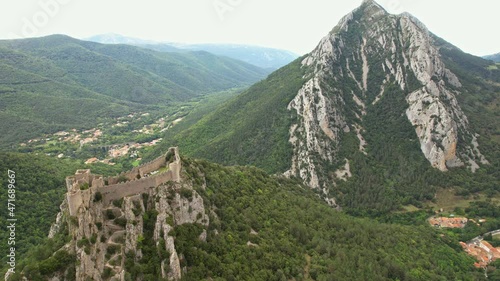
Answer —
(122, 139)
(376, 156)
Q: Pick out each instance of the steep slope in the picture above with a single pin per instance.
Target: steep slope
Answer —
(58, 82)
(371, 113)
(229, 223)
(399, 51)
(156, 77)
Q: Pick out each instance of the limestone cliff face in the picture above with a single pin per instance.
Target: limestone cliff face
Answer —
(108, 232)
(351, 69)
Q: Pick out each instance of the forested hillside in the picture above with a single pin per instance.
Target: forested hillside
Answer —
(251, 129)
(268, 228)
(57, 82)
(40, 185)
(357, 116)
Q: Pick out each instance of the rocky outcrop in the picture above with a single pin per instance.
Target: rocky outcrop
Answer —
(433, 109)
(108, 232)
(56, 226)
(317, 134)
(349, 72)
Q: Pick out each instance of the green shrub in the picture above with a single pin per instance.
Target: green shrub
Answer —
(93, 238)
(121, 221)
(113, 249)
(84, 186)
(110, 214)
(97, 196)
(118, 203)
(107, 273)
(82, 242)
(186, 193)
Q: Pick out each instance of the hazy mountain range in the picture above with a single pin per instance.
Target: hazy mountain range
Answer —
(267, 58)
(495, 57)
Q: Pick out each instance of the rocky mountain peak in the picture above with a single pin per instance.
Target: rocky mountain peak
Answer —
(371, 8)
(368, 52)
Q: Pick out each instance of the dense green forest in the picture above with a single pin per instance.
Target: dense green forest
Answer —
(271, 228)
(251, 129)
(300, 236)
(57, 82)
(40, 186)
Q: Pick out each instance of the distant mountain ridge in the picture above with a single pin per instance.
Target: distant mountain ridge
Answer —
(495, 57)
(268, 58)
(58, 82)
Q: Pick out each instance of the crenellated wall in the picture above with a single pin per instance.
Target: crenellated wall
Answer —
(139, 181)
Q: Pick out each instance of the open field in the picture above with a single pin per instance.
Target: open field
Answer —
(448, 201)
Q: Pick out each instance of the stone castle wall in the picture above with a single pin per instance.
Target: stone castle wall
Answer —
(139, 181)
(139, 172)
(118, 191)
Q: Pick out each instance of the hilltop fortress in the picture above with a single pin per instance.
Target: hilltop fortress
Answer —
(106, 215)
(84, 186)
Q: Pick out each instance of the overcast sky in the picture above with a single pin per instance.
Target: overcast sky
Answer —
(295, 25)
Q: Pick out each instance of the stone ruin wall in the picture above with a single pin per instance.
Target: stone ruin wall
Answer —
(75, 196)
(114, 191)
(138, 186)
(140, 171)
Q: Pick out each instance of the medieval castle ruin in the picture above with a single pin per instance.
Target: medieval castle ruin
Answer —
(83, 186)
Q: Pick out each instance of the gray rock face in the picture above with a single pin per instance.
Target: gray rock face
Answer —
(433, 109)
(402, 48)
(56, 226)
(104, 232)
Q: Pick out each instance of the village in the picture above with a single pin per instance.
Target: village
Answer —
(478, 248)
(123, 137)
(482, 250)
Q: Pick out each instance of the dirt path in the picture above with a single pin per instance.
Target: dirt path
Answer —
(307, 267)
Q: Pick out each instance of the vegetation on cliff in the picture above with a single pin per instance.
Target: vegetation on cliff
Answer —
(270, 228)
(253, 129)
(40, 189)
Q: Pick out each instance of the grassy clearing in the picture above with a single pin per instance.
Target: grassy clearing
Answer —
(410, 208)
(163, 169)
(447, 200)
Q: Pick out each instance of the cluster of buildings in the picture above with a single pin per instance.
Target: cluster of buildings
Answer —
(123, 150)
(483, 251)
(443, 222)
(480, 249)
(72, 136)
(89, 136)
